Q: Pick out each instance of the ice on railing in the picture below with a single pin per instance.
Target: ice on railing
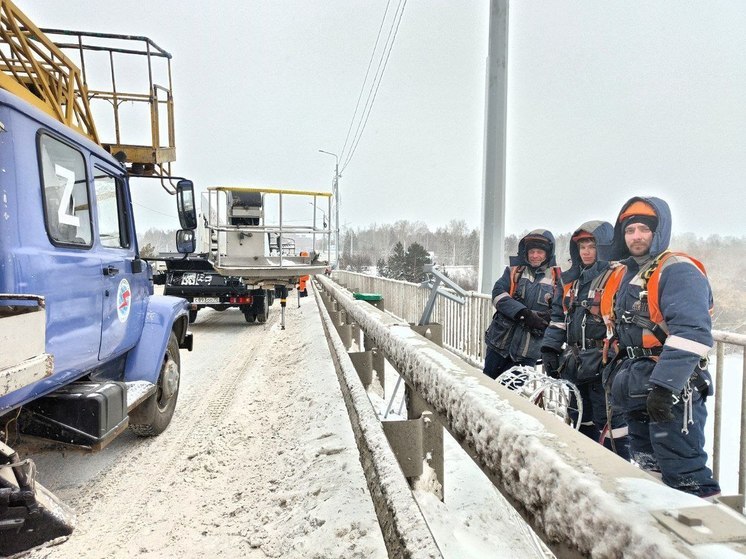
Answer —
(562, 494)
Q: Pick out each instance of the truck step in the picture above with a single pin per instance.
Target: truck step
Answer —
(137, 392)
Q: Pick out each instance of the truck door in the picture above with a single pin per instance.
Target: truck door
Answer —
(66, 269)
(126, 283)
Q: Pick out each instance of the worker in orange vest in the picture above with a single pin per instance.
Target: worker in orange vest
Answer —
(302, 291)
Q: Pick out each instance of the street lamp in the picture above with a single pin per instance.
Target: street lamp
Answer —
(335, 193)
(323, 213)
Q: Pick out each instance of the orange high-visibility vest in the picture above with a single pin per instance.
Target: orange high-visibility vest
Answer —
(651, 284)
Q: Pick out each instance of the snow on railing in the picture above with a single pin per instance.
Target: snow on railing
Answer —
(463, 334)
(580, 498)
(463, 325)
(404, 529)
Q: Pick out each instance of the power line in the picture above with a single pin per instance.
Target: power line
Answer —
(154, 211)
(377, 78)
(367, 72)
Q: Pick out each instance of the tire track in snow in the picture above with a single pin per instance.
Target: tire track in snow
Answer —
(139, 476)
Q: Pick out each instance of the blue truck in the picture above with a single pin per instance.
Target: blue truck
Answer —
(88, 349)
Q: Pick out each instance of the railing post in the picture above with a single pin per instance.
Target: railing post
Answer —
(363, 363)
(720, 356)
(432, 434)
(433, 332)
(742, 447)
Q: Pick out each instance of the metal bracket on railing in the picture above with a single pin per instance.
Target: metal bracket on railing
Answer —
(435, 290)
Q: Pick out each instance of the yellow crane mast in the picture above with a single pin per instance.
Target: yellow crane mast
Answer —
(42, 71)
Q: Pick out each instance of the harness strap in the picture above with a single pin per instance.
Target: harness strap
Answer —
(646, 323)
(630, 352)
(517, 271)
(515, 275)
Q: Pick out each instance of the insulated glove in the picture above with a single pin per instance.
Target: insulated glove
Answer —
(550, 359)
(660, 401)
(533, 320)
(700, 383)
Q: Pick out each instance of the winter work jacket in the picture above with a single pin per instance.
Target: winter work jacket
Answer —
(671, 351)
(535, 290)
(576, 317)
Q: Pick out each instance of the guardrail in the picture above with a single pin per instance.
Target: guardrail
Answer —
(463, 334)
(578, 497)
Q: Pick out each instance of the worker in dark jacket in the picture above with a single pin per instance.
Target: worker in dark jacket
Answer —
(661, 315)
(522, 298)
(576, 321)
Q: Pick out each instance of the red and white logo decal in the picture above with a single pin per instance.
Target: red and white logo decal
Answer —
(124, 300)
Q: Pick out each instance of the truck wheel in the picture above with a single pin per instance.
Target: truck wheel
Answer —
(192, 315)
(153, 416)
(261, 316)
(249, 317)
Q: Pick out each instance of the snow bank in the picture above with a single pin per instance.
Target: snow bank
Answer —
(404, 530)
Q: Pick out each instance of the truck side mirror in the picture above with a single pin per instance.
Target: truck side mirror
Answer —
(186, 242)
(185, 204)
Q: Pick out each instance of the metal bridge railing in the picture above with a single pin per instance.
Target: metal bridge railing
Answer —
(463, 334)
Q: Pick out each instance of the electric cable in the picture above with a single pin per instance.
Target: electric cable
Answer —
(367, 72)
(377, 78)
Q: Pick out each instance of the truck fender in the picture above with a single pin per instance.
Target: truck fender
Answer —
(164, 315)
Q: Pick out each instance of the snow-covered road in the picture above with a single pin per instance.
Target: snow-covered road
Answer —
(259, 460)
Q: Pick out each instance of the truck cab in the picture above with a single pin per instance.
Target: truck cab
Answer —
(108, 347)
(68, 234)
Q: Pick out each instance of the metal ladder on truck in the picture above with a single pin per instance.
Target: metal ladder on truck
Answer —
(37, 65)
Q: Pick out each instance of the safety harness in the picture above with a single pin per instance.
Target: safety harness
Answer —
(592, 304)
(517, 271)
(647, 316)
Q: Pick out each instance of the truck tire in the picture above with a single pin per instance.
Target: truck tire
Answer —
(192, 315)
(249, 316)
(153, 416)
(262, 311)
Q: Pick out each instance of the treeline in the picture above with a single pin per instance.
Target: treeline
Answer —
(452, 245)
(403, 264)
(155, 241)
(388, 250)
(366, 249)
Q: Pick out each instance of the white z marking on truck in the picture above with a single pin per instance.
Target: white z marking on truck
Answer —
(67, 197)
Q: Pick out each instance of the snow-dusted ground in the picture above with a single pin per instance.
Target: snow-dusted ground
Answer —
(259, 460)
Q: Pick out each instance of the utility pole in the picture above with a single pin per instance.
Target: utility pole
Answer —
(335, 193)
(492, 240)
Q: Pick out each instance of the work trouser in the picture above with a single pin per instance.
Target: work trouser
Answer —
(677, 453)
(595, 417)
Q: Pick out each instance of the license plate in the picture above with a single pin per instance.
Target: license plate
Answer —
(206, 300)
(189, 279)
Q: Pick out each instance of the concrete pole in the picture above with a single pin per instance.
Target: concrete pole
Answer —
(492, 241)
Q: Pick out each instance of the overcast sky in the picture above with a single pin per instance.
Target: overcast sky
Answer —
(606, 100)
